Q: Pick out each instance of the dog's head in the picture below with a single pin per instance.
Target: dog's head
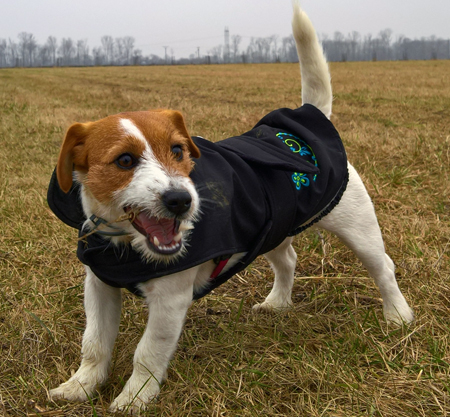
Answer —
(137, 163)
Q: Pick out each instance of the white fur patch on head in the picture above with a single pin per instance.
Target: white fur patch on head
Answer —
(130, 129)
(151, 180)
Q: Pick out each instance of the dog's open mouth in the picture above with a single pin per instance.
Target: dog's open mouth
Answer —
(163, 234)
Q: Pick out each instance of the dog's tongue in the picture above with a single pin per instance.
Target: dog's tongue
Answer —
(163, 229)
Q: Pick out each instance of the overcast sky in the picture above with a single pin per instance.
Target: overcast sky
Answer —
(185, 25)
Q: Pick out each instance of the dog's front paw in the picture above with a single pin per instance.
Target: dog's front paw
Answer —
(82, 385)
(127, 405)
(130, 403)
(72, 390)
(136, 395)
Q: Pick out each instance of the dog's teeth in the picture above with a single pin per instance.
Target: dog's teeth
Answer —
(185, 226)
(156, 241)
(178, 237)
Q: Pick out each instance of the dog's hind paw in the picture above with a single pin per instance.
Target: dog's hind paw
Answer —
(270, 306)
(398, 315)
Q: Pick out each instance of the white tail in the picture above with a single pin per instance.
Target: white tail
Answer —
(316, 81)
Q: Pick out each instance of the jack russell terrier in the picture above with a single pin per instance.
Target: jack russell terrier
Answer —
(171, 217)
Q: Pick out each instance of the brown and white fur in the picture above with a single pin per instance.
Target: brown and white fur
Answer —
(140, 162)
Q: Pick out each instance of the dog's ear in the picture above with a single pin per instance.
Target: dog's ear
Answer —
(178, 121)
(72, 155)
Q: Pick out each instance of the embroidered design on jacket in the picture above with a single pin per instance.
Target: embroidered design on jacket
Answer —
(299, 146)
(300, 179)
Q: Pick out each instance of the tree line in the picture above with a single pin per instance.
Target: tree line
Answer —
(383, 47)
(26, 52)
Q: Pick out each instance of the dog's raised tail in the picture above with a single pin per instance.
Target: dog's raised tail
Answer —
(316, 82)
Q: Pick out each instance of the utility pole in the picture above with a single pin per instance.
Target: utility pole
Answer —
(165, 53)
(198, 52)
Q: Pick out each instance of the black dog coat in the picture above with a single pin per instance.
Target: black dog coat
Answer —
(273, 181)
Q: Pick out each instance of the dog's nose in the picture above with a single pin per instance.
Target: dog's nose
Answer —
(177, 201)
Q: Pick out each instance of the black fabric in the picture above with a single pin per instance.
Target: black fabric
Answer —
(67, 207)
(255, 190)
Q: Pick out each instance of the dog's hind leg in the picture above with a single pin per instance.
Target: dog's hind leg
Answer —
(103, 305)
(282, 259)
(353, 220)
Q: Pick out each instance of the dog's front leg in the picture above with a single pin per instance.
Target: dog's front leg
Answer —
(103, 305)
(168, 299)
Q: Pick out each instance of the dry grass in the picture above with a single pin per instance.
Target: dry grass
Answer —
(332, 355)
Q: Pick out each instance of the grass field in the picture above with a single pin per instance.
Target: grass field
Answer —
(333, 354)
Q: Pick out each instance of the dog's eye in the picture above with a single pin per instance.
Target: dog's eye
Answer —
(126, 161)
(177, 151)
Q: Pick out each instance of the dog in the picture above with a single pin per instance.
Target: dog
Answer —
(128, 183)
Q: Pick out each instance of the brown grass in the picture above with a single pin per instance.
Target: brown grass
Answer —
(332, 355)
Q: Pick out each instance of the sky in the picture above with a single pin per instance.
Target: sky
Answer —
(183, 26)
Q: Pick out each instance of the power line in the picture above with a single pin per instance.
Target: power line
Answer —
(180, 41)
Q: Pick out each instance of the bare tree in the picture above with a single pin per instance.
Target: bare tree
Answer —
(266, 44)
(367, 47)
(119, 51)
(235, 42)
(43, 55)
(52, 45)
(216, 54)
(128, 43)
(340, 47)
(82, 52)
(289, 51)
(260, 44)
(98, 56)
(108, 48)
(251, 50)
(273, 40)
(24, 39)
(385, 43)
(137, 56)
(14, 53)
(67, 50)
(3, 46)
(31, 48)
(385, 36)
(354, 39)
(338, 36)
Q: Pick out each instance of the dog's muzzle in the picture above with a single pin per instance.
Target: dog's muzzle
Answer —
(164, 234)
